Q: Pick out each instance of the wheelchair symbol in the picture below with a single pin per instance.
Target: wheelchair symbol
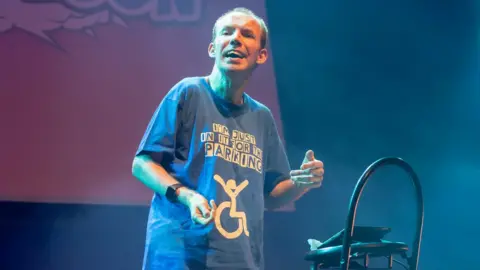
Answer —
(232, 191)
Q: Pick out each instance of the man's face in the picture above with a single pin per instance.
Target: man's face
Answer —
(237, 44)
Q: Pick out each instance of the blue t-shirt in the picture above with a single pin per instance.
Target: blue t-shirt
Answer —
(229, 153)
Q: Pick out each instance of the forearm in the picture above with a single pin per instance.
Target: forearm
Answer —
(154, 176)
(284, 192)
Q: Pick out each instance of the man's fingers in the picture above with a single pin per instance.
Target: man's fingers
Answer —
(310, 173)
(312, 164)
(317, 184)
(299, 172)
(213, 209)
(195, 214)
(305, 172)
(309, 178)
(204, 213)
(301, 179)
(307, 165)
(204, 209)
(213, 205)
(197, 218)
(317, 172)
(309, 156)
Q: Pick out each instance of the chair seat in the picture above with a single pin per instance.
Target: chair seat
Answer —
(332, 255)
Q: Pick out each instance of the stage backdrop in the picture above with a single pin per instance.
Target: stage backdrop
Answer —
(79, 81)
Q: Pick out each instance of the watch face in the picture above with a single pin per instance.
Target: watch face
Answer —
(171, 192)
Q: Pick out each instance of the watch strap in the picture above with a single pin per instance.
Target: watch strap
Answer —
(171, 192)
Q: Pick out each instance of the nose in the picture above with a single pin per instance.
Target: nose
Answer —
(236, 37)
(235, 42)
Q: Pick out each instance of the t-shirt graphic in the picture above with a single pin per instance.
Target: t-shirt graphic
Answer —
(232, 190)
(229, 153)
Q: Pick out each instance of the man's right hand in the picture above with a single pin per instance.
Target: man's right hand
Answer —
(158, 179)
(201, 211)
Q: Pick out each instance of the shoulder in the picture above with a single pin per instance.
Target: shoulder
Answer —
(261, 109)
(186, 89)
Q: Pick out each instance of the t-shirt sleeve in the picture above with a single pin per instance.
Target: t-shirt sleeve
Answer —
(159, 139)
(277, 167)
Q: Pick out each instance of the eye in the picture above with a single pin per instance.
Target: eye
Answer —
(226, 31)
(248, 34)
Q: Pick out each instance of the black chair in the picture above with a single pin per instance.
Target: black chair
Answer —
(346, 248)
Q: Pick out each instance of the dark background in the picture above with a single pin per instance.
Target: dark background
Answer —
(357, 80)
(368, 79)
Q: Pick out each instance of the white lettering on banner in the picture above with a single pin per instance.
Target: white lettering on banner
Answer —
(42, 16)
(146, 7)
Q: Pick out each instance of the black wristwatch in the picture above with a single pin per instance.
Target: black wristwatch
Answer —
(171, 193)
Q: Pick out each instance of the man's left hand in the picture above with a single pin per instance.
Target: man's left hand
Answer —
(310, 174)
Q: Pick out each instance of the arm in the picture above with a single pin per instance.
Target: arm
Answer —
(301, 181)
(155, 177)
(158, 151)
(157, 147)
(283, 186)
(279, 189)
(284, 193)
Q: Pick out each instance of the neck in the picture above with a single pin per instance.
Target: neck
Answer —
(228, 86)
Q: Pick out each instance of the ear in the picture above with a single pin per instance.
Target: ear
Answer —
(262, 56)
(211, 50)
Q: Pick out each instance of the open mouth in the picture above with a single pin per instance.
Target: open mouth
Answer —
(234, 55)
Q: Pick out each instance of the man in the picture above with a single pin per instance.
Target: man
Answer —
(214, 159)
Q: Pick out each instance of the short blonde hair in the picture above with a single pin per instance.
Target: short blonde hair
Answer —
(264, 36)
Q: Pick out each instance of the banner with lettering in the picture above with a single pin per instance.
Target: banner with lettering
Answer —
(79, 81)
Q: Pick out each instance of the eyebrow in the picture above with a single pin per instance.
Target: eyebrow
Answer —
(243, 29)
(248, 30)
